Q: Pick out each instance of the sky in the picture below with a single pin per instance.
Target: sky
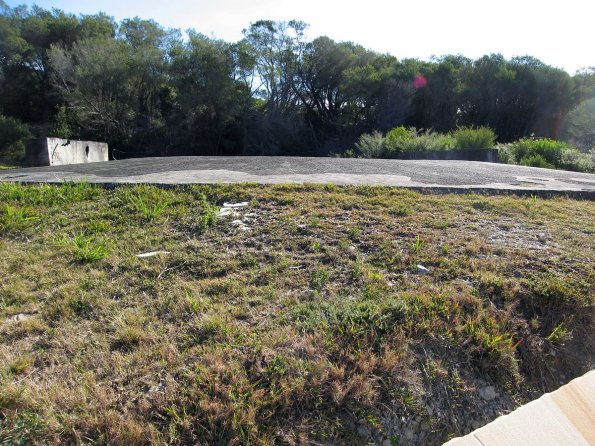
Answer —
(559, 33)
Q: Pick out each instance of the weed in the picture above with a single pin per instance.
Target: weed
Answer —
(14, 218)
(418, 245)
(319, 279)
(23, 430)
(401, 211)
(559, 334)
(87, 249)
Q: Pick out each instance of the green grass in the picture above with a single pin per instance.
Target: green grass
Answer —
(313, 327)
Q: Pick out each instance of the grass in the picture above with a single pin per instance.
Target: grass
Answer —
(312, 327)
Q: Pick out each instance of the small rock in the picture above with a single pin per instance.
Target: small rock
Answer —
(21, 317)
(488, 393)
(422, 269)
(363, 431)
(409, 434)
(223, 212)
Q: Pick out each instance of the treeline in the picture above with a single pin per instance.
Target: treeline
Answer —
(150, 91)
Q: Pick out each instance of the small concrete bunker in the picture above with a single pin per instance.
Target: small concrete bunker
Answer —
(59, 152)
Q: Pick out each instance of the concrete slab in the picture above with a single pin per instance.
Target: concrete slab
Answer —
(416, 174)
(564, 417)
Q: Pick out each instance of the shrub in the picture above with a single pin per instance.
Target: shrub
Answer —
(537, 161)
(371, 145)
(470, 138)
(428, 142)
(398, 136)
(544, 152)
(12, 136)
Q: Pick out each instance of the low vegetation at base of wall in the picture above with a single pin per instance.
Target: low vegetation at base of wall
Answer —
(548, 153)
(301, 315)
(405, 142)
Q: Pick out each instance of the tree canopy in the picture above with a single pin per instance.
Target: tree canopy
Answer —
(147, 90)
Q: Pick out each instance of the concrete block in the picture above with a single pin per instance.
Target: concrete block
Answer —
(59, 152)
(563, 417)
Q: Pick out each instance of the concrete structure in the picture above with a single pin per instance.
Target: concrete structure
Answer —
(564, 417)
(59, 152)
(448, 176)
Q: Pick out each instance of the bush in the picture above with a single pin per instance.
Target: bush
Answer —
(405, 140)
(470, 138)
(12, 136)
(537, 161)
(401, 140)
(398, 136)
(544, 152)
(371, 145)
(428, 142)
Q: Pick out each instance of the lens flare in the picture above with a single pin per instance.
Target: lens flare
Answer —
(420, 81)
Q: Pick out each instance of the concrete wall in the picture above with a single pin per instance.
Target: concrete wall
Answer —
(564, 417)
(58, 152)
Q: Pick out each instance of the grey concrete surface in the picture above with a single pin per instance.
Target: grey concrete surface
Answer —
(417, 174)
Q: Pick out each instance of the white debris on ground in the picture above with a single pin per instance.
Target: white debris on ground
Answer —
(422, 269)
(233, 210)
(243, 204)
(151, 254)
(21, 317)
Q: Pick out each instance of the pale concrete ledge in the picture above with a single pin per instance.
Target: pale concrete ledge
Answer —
(60, 152)
(564, 417)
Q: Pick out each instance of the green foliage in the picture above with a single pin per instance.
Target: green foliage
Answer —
(428, 141)
(544, 152)
(319, 279)
(62, 126)
(536, 160)
(147, 91)
(149, 203)
(23, 430)
(87, 249)
(402, 140)
(45, 195)
(474, 138)
(12, 136)
(14, 218)
(395, 137)
(579, 126)
(371, 145)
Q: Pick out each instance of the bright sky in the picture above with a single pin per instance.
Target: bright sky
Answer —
(560, 33)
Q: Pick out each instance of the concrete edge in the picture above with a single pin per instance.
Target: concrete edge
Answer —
(540, 193)
(565, 416)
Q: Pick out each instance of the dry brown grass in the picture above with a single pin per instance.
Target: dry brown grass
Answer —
(313, 327)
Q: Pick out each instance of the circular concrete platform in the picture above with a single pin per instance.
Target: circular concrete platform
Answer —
(417, 174)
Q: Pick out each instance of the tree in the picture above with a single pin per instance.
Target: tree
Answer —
(579, 126)
(277, 48)
(208, 100)
(26, 37)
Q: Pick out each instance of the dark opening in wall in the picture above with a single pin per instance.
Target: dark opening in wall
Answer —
(87, 151)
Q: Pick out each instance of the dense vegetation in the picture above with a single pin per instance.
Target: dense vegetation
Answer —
(150, 91)
(309, 323)
(400, 142)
